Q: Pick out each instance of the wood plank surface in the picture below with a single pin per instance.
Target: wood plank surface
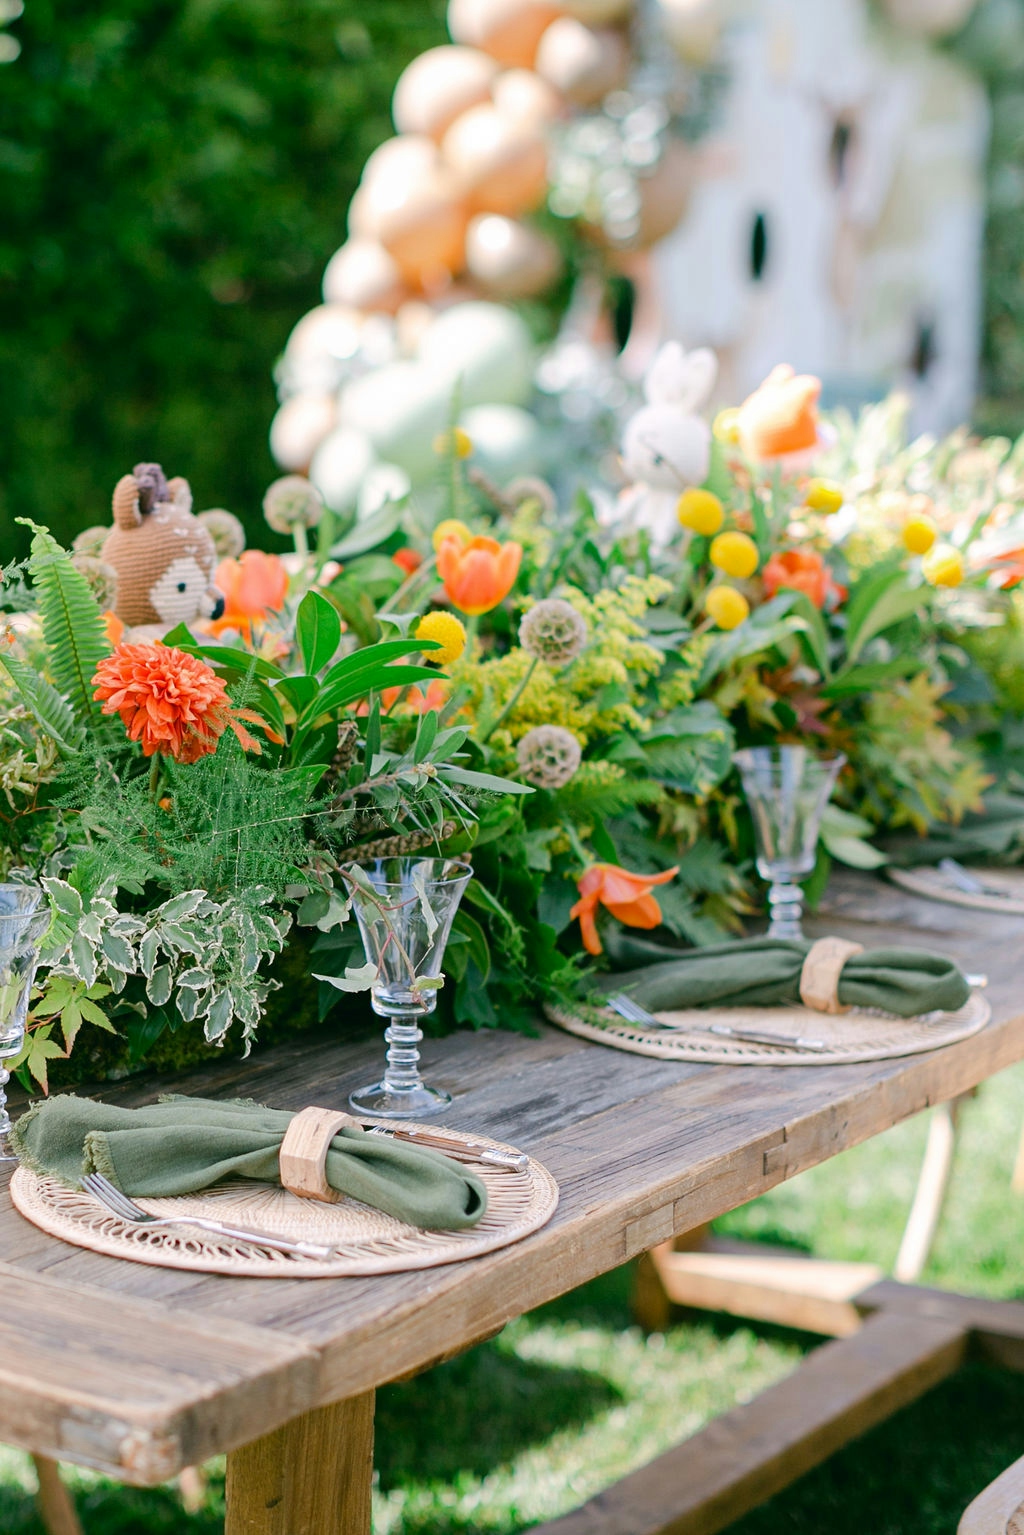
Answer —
(753, 1452)
(642, 1149)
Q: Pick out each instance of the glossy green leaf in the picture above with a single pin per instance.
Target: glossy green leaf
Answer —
(318, 630)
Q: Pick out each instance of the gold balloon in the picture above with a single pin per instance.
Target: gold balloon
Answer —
(693, 27)
(509, 259)
(522, 96)
(440, 84)
(299, 427)
(509, 30)
(500, 164)
(598, 13)
(582, 63)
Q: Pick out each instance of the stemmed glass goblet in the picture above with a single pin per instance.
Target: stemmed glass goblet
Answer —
(405, 908)
(787, 789)
(24, 918)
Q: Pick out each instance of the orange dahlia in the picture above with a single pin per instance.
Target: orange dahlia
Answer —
(171, 702)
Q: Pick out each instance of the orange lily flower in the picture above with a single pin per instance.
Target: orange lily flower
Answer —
(802, 570)
(477, 575)
(781, 416)
(1010, 568)
(407, 559)
(253, 585)
(627, 896)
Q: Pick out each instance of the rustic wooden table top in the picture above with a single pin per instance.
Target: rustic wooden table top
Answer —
(139, 1371)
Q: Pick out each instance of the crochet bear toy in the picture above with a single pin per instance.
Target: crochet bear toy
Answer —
(164, 557)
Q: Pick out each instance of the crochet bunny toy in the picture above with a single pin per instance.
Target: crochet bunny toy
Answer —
(164, 557)
(666, 446)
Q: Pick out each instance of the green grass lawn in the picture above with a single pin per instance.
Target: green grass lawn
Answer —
(573, 1396)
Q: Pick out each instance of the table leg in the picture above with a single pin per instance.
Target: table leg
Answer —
(311, 1477)
(56, 1509)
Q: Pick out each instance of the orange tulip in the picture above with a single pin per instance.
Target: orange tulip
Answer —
(253, 585)
(781, 416)
(479, 574)
(627, 896)
(801, 570)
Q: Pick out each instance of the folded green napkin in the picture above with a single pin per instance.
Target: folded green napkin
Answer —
(765, 972)
(181, 1144)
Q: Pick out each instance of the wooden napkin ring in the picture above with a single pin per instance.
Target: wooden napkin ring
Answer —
(819, 977)
(303, 1155)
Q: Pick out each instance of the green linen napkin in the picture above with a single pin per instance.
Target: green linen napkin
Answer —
(181, 1145)
(765, 972)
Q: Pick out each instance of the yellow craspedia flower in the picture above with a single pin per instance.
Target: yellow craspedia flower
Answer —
(726, 425)
(824, 496)
(458, 439)
(919, 533)
(943, 566)
(734, 554)
(449, 633)
(726, 607)
(451, 527)
(701, 512)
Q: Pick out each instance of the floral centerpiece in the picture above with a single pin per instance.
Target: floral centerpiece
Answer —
(555, 693)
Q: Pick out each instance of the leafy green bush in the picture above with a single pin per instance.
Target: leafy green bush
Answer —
(174, 175)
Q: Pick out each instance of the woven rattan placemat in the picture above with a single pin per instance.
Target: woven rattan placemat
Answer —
(367, 1241)
(859, 1035)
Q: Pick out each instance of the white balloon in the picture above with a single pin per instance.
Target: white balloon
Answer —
(339, 467)
(506, 440)
(299, 427)
(484, 347)
(401, 409)
(384, 483)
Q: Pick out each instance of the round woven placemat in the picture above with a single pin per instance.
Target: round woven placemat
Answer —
(367, 1241)
(934, 885)
(859, 1035)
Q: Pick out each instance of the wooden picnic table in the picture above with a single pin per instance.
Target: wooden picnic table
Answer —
(141, 1371)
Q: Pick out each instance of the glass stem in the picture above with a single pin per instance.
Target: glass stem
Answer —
(402, 1073)
(6, 1154)
(785, 904)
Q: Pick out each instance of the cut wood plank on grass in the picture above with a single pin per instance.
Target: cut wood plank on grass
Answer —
(741, 1459)
(311, 1477)
(768, 1284)
(999, 1510)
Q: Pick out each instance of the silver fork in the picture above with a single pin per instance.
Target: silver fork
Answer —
(634, 1013)
(127, 1210)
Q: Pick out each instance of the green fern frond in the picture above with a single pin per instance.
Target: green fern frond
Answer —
(51, 712)
(72, 624)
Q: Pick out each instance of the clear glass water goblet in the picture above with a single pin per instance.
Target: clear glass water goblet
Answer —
(405, 908)
(787, 789)
(24, 918)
